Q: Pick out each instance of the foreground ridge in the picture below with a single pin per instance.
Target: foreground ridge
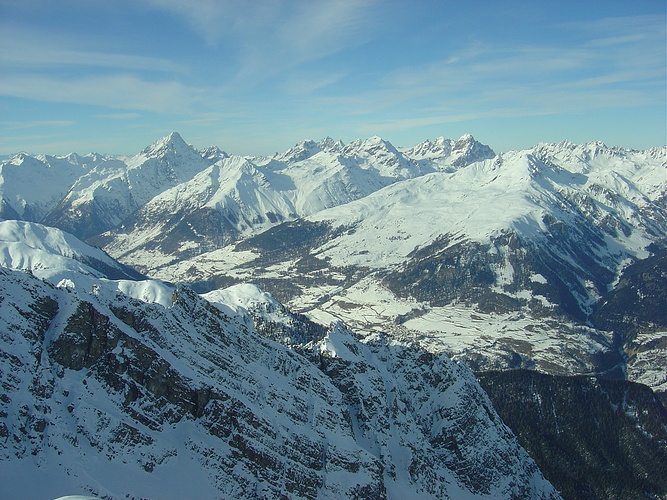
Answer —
(189, 400)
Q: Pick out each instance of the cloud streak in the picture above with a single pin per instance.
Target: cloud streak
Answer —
(274, 36)
(272, 69)
(25, 48)
(120, 116)
(483, 81)
(114, 91)
(15, 125)
(209, 19)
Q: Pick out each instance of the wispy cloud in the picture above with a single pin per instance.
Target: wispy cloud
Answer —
(305, 82)
(275, 36)
(618, 27)
(485, 81)
(113, 91)
(208, 18)
(28, 48)
(53, 143)
(398, 124)
(267, 70)
(319, 28)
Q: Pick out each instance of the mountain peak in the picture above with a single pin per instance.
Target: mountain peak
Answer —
(463, 141)
(20, 158)
(376, 140)
(174, 137)
(373, 145)
(439, 148)
(300, 151)
(470, 150)
(213, 153)
(172, 142)
(330, 144)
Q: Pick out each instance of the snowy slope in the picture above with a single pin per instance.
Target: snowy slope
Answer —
(31, 186)
(238, 196)
(247, 298)
(227, 199)
(106, 195)
(437, 252)
(513, 192)
(64, 261)
(48, 252)
(609, 201)
(397, 239)
(112, 397)
(519, 218)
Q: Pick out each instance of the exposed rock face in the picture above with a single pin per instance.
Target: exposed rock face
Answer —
(190, 401)
(592, 438)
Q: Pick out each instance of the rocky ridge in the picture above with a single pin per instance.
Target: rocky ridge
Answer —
(116, 397)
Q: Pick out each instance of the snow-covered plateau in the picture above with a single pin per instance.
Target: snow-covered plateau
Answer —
(307, 325)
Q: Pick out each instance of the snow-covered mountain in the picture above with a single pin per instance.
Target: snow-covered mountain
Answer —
(108, 395)
(105, 196)
(448, 155)
(239, 196)
(526, 242)
(52, 254)
(31, 186)
(88, 194)
(438, 258)
(586, 217)
(416, 241)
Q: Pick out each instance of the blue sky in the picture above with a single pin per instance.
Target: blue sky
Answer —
(257, 76)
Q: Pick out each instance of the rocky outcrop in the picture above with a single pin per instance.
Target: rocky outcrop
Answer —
(191, 401)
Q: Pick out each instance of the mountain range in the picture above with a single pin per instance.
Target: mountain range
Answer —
(330, 300)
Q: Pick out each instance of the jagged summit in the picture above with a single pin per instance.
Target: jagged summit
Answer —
(438, 148)
(330, 144)
(448, 155)
(467, 147)
(371, 145)
(466, 138)
(213, 153)
(301, 151)
(21, 158)
(308, 148)
(172, 143)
